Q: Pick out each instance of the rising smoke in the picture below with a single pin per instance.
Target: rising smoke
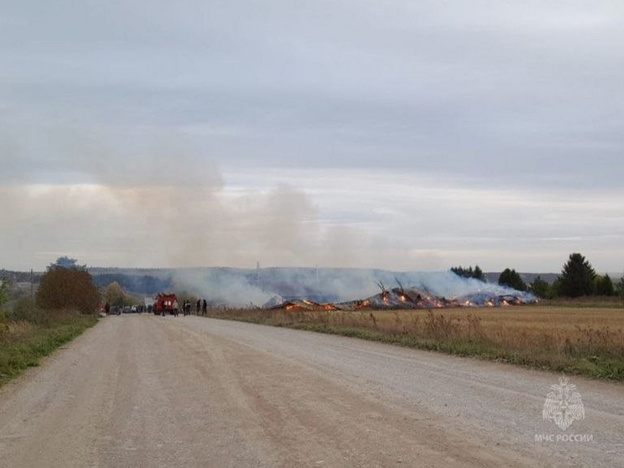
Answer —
(159, 205)
(241, 288)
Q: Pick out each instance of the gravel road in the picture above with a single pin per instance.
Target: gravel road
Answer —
(146, 391)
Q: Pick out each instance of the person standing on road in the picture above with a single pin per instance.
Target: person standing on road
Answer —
(204, 307)
(198, 306)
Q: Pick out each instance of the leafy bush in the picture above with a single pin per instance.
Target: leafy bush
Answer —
(68, 288)
(116, 296)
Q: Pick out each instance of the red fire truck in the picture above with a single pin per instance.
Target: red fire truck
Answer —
(165, 303)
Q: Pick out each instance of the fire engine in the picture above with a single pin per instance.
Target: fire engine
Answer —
(164, 303)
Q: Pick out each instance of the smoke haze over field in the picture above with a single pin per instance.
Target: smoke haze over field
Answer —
(241, 288)
(408, 135)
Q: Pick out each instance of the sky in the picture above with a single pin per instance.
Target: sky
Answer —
(406, 135)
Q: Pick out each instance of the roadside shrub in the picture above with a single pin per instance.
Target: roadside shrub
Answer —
(68, 288)
(27, 311)
(4, 295)
(4, 328)
(115, 295)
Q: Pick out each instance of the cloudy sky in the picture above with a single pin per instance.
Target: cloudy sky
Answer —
(409, 135)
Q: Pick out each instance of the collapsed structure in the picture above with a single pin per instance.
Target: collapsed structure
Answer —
(412, 298)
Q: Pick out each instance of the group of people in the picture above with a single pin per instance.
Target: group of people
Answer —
(161, 307)
(186, 308)
(201, 306)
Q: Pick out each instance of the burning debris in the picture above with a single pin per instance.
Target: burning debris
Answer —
(302, 304)
(401, 298)
(482, 299)
(398, 298)
(315, 289)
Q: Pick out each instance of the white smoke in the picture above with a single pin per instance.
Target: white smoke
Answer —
(448, 284)
(221, 287)
(242, 288)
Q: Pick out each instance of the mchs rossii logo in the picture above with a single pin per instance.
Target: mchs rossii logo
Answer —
(563, 404)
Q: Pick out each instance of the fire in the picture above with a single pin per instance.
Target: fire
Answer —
(361, 304)
(305, 304)
(398, 298)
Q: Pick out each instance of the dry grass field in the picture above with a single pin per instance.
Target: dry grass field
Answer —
(575, 339)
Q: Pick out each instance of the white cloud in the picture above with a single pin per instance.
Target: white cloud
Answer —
(417, 134)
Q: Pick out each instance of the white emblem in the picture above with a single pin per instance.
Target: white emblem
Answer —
(563, 404)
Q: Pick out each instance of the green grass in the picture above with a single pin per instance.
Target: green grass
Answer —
(24, 350)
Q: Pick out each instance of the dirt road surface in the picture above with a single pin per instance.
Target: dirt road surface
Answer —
(145, 391)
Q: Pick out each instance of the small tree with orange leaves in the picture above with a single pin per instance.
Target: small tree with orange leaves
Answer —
(68, 287)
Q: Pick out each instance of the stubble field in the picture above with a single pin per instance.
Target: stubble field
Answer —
(570, 338)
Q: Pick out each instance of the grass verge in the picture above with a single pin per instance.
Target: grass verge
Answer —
(571, 340)
(24, 343)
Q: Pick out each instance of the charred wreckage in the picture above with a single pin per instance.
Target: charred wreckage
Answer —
(408, 298)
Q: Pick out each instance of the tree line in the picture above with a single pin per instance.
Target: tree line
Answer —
(477, 273)
(68, 285)
(578, 278)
